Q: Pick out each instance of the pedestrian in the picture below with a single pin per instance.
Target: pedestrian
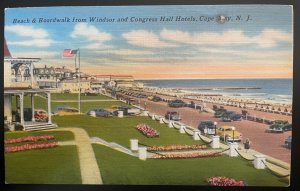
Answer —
(247, 144)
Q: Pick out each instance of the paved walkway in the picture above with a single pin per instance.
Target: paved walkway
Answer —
(90, 173)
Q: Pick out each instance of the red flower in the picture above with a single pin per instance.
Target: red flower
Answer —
(29, 138)
(147, 130)
(186, 155)
(30, 146)
(224, 181)
(175, 147)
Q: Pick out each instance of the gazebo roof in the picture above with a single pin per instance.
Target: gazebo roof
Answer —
(6, 50)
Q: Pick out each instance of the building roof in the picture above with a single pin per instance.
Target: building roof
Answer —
(6, 50)
(109, 75)
(73, 81)
(63, 69)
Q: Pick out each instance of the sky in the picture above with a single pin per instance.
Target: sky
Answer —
(159, 42)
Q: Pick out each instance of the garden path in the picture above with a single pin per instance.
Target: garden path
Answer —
(90, 173)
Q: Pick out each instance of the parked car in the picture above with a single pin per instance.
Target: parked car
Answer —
(219, 113)
(173, 115)
(128, 110)
(288, 142)
(100, 112)
(177, 103)
(194, 105)
(231, 116)
(279, 126)
(67, 91)
(226, 134)
(39, 115)
(66, 110)
(287, 127)
(156, 99)
(207, 126)
(226, 118)
(90, 93)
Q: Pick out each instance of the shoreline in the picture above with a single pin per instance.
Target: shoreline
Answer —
(237, 99)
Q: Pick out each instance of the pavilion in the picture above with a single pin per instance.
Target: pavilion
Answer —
(19, 83)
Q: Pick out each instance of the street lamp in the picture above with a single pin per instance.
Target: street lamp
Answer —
(215, 123)
(233, 129)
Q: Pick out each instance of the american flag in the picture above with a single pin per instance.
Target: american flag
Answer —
(69, 53)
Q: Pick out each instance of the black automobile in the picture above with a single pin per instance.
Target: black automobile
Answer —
(220, 113)
(122, 108)
(207, 126)
(194, 105)
(173, 115)
(231, 116)
(156, 99)
(280, 126)
(177, 103)
(287, 127)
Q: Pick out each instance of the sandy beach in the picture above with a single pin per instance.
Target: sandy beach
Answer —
(271, 144)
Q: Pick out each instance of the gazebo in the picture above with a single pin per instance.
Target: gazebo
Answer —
(18, 83)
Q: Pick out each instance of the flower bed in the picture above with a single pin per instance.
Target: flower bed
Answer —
(175, 147)
(147, 130)
(29, 138)
(224, 181)
(186, 155)
(30, 146)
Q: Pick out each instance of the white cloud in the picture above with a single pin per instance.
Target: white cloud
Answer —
(98, 46)
(27, 31)
(39, 36)
(128, 52)
(267, 38)
(125, 52)
(272, 55)
(38, 54)
(270, 37)
(33, 42)
(145, 38)
(91, 34)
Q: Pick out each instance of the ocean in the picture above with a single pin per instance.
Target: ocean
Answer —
(269, 89)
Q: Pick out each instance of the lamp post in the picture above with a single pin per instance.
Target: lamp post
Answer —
(215, 124)
(233, 129)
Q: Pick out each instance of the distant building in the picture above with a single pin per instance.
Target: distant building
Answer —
(71, 85)
(97, 85)
(115, 80)
(63, 73)
(138, 84)
(101, 78)
(46, 77)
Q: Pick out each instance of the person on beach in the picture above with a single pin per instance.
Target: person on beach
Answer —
(247, 144)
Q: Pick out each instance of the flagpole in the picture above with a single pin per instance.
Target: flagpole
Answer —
(79, 101)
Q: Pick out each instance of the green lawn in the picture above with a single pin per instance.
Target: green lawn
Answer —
(119, 168)
(59, 165)
(121, 130)
(74, 96)
(41, 103)
(58, 135)
(86, 106)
